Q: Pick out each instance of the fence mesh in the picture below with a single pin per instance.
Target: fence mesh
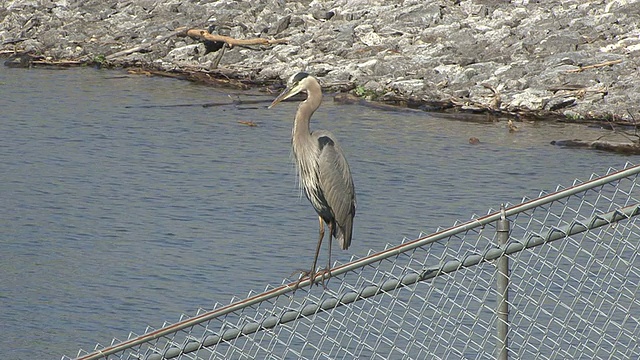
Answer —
(574, 281)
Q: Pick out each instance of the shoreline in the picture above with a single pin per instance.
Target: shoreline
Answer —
(568, 60)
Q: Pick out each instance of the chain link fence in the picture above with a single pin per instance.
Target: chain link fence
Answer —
(556, 277)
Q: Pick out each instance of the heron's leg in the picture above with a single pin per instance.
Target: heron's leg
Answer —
(315, 259)
(331, 224)
(326, 270)
(312, 272)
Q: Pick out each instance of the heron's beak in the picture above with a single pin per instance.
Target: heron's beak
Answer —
(285, 94)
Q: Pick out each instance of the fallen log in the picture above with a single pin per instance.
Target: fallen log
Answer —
(627, 148)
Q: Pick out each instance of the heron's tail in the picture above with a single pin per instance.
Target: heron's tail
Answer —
(342, 233)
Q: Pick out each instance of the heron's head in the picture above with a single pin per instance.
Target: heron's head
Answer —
(296, 84)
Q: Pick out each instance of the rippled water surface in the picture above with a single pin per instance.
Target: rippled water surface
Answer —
(119, 213)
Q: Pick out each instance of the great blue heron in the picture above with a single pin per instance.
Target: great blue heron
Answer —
(323, 170)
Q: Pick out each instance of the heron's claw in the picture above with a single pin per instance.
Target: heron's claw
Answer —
(327, 270)
(324, 272)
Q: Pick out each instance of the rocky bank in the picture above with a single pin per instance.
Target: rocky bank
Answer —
(574, 58)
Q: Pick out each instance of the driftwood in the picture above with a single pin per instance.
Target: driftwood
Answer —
(197, 34)
(443, 109)
(626, 148)
(389, 103)
(197, 76)
(26, 60)
(201, 34)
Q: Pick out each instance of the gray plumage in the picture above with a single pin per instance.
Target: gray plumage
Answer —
(322, 168)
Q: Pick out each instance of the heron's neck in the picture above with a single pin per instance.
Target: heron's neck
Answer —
(306, 110)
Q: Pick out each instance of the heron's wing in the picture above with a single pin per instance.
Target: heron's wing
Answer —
(336, 184)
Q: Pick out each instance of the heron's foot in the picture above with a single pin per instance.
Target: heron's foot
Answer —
(311, 274)
(303, 275)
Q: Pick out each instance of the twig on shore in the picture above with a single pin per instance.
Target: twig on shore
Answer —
(594, 66)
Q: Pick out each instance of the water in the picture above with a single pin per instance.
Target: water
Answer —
(117, 213)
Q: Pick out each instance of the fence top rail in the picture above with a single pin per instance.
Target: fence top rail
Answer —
(630, 170)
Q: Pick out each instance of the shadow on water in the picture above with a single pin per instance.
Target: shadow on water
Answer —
(123, 205)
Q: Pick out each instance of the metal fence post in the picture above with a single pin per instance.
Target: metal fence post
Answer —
(503, 228)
